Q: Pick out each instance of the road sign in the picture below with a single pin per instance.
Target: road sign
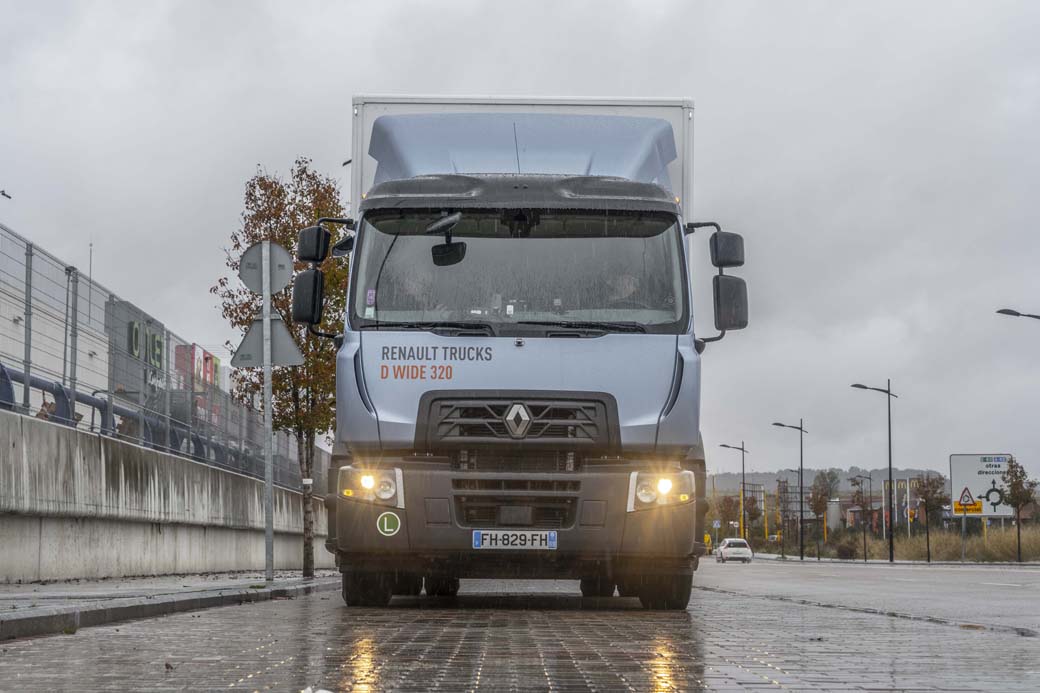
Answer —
(284, 351)
(979, 479)
(266, 268)
(251, 268)
(716, 523)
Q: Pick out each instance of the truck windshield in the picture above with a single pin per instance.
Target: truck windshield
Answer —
(607, 271)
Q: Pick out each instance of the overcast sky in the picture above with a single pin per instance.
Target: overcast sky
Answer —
(882, 161)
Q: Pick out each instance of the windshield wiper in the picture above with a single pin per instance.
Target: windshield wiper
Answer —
(607, 326)
(461, 326)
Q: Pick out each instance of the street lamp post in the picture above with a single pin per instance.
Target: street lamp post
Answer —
(743, 488)
(801, 493)
(891, 485)
(863, 514)
(1015, 314)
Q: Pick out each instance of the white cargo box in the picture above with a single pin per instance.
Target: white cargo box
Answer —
(646, 140)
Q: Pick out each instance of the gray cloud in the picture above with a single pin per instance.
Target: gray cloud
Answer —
(882, 160)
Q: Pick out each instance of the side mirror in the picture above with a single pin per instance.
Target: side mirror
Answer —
(308, 297)
(727, 249)
(445, 254)
(343, 247)
(731, 302)
(313, 244)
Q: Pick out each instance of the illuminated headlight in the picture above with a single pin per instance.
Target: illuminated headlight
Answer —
(645, 492)
(387, 488)
(653, 489)
(381, 486)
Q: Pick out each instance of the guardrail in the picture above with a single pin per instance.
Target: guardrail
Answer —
(75, 353)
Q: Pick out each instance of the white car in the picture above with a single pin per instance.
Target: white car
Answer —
(734, 550)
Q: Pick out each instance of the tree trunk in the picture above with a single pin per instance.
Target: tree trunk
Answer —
(307, 470)
(927, 535)
(1018, 528)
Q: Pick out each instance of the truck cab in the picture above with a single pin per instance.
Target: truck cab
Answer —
(518, 375)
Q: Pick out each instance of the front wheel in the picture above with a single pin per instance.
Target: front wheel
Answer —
(441, 586)
(597, 587)
(670, 592)
(367, 589)
(408, 584)
(628, 587)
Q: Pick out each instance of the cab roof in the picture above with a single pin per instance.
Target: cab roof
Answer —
(515, 191)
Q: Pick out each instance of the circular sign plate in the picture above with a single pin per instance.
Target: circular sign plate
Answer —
(388, 524)
(251, 268)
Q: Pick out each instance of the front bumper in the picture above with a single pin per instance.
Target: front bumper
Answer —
(597, 533)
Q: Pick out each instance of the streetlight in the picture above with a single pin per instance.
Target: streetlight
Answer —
(801, 494)
(743, 488)
(891, 485)
(1015, 314)
(863, 513)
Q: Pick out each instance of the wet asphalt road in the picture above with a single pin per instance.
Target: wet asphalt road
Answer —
(542, 636)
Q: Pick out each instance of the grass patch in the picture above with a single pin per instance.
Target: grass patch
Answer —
(996, 546)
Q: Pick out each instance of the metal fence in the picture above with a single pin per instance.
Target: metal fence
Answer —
(74, 353)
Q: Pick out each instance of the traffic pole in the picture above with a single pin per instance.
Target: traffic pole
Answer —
(268, 420)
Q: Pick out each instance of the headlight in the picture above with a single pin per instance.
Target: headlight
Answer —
(653, 489)
(381, 486)
(387, 489)
(645, 492)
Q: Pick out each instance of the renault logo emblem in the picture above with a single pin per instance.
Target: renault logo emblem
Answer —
(518, 420)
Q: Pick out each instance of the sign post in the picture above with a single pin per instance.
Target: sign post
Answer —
(266, 267)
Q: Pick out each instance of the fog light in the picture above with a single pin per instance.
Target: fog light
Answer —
(646, 493)
(387, 488)
(368, 482)
(664, 485)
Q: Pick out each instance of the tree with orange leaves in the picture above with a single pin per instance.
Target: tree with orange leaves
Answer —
(304, 402)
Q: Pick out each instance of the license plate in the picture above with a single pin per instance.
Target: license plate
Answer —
(513, 540)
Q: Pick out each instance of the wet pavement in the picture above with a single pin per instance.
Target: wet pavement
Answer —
(529, 636)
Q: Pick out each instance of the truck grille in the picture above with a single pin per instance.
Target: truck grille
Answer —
(582, 421)
(482, 512)
(547, 485)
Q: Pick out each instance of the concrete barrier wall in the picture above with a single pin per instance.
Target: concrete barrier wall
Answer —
(77, 505)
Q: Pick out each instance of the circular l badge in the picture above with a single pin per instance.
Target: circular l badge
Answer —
(388, 524)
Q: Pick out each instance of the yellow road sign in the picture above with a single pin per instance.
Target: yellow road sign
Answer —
(967, 509)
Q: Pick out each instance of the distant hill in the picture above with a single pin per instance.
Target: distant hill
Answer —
(729, 482)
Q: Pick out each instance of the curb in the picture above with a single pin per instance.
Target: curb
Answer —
(880, 561)
(69, 619)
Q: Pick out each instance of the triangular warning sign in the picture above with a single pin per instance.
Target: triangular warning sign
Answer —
(966, 497)
(284, 351)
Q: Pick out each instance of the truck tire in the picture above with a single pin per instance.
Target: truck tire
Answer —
(601, 586)
(408, 584)
(367, 589)
(628, 587)
(441, 586)
(671, 592)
